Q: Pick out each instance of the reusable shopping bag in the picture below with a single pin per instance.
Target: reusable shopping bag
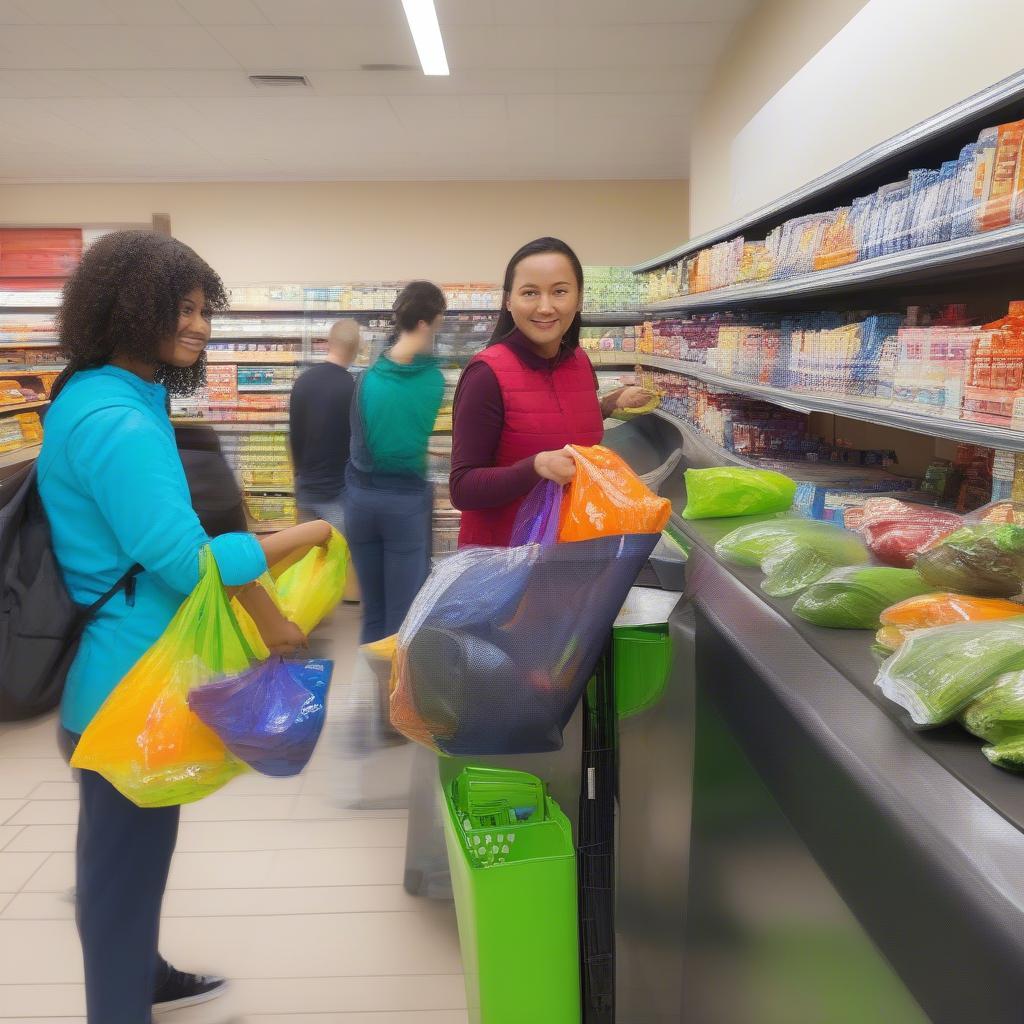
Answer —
(896, 532)
(855, 597)
(306, 592)
(940, 609)
(998, 714)
(792, 553)
(606, 498)
(726, 491)
(983, 559)
(938, 672)
(144, 740)
(271, 716)
(501, 642)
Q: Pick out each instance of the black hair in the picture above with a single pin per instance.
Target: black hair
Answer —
(506, 325)
(124, 298)
(418, 301)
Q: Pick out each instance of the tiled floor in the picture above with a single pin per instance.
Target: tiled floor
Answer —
(275, 884)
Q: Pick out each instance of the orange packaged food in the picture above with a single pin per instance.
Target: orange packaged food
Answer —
(606, 498)
(941, 609)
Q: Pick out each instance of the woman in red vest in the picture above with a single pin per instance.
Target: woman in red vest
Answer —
(527, 396)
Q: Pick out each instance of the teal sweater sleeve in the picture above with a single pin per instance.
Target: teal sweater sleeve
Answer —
(132, 471)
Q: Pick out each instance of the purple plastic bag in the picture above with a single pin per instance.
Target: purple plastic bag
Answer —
(539, 515)
(269, 717)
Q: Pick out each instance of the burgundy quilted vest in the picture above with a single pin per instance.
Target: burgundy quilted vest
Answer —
(544, 410)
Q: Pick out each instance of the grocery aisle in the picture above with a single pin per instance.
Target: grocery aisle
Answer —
(296, 899)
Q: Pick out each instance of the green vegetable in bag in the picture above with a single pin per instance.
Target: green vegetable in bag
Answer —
(1009, 754)
(998, 714)
(726, 491)
(793, 553)
(855, 597)
(984, 559)
(939, 671)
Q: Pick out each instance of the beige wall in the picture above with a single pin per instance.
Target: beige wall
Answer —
(448, 231)
(808, 84)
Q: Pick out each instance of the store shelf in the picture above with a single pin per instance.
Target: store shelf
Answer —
(19, 455)
(886, 161)
(288, 491)
(258, 358)
(851, 408)
(4, 345)
(714, 454)
(927, 263)
(269, 389)
(24, 407)
(26, 371)
(255, 427)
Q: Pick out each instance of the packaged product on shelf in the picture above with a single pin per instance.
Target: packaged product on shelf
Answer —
(855, 597)
(998, 714)
(983, 559)
(939, 609)
(793, 553)
(938, 672)
(838, 244)
(1008, 754)
(727, 491)
(1008, 513)
(895, 532)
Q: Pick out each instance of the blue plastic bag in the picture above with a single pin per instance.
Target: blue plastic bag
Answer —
(271, 716)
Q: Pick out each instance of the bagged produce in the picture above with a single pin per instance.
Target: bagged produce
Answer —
(642, 410)
(938, 672)
(983, 559)
(144, 740)
(306, 591)
(793, 553)
(1008, 754)
(896, 533)
(1006, 513)
(500, 643)
(726, 491)
(606, 498)
(940, 609)
(269, 717)
(855, 597)
(998, 714)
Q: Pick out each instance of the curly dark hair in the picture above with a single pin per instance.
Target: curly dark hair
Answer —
(124, 299)
(418, 301)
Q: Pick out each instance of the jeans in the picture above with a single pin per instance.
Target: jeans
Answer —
(389, 533)
(123, 857)
(331, 510)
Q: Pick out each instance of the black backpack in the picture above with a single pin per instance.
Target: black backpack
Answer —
(40, 626)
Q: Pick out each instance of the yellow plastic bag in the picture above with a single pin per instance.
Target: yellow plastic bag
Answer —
(606, 498)
(144, 740)
(305, 592)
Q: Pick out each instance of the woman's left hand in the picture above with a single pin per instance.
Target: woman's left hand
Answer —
(632, 398)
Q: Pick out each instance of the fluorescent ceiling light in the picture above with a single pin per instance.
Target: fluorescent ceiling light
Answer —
(426, 34)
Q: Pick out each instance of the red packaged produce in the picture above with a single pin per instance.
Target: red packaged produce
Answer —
(896, 533)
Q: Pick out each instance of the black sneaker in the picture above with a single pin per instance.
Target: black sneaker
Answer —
(180, 990)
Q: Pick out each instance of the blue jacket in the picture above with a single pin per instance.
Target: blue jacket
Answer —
(115, 494)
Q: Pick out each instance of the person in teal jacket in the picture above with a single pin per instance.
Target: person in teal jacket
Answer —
(134, 323)
(388, 500)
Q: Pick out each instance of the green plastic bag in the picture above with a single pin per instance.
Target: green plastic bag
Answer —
(998, 714)
(144, 740)
(984, 559)
(1008, 754)
(792, 553)
(939, 671)
(725, 491)
(855, 597)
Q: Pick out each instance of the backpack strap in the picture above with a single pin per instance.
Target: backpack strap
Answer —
(125, 583)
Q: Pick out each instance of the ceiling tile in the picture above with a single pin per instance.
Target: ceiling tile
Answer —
(14, 12)
(225, 12)
(31, 84)
(69, 12)
(426, 110)
(332, 12)
(646, 12)
(148, 12)
(300, 50)
(172, 82)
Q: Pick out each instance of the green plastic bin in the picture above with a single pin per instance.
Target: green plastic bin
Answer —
(642, 658)
(513, 868)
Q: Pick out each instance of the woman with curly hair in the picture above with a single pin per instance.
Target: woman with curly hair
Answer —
(134, 323)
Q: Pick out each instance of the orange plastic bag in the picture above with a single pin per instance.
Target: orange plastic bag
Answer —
(144, 740)
(606, 499)
(939, 610)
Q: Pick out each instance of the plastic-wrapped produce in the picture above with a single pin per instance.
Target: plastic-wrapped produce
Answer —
(897, 532)
(856, 596)
(938, 672)
(942, 609)
(1007, 513)
(984, 559)
(1008, 754)
(726, 491)
(792, 553)
(998, 714)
